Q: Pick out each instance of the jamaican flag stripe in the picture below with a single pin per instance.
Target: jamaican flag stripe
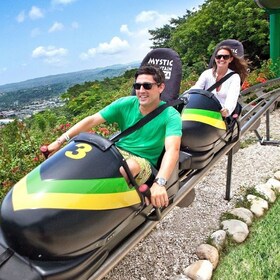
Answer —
(80, 186)
(22, 200)
(204, 116)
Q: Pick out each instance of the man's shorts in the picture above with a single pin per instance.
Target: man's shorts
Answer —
(145, 167)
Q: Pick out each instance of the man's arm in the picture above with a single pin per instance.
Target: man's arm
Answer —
(159, 196)
(83, 126)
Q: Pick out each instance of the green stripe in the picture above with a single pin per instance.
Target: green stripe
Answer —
(84, 186)
(201, 112)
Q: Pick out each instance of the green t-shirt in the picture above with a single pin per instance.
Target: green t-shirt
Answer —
(148, 141)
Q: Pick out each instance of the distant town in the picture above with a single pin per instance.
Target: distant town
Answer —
(29, 110)
(51, 87)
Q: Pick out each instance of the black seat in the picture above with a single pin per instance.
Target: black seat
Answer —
(170, 63)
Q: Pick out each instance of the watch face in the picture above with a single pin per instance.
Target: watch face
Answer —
(161, 181)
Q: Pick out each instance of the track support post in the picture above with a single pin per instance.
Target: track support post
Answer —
(229, 172)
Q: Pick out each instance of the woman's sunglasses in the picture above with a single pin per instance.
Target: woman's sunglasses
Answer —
(145, 85)
(224, 56)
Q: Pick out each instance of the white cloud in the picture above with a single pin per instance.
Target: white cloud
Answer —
(142, 33)
(21, 17)
(90, 53)
(35, 13)
(139, 36)
(57, 26)
(116, 45)
(62, 2)
(124, 29)
(50, 54)
(138, 42)
(146, 16)
(49, 51)
(153, 17)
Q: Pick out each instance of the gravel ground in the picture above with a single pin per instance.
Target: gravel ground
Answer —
(171, 246)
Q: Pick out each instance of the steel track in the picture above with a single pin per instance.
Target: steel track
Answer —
(253, 111)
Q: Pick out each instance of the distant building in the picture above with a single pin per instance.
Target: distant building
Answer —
(5, 121)
(6, 114)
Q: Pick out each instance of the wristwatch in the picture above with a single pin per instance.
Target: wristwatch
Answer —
(161, 182)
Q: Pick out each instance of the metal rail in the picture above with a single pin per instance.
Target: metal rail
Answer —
(248, 122)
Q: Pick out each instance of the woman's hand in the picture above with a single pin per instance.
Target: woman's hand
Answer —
(224, 112)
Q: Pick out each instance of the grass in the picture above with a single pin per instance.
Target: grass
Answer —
(246, 142)
(258, 258)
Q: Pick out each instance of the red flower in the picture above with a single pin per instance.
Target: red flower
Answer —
(261, 80)
(245, 85)
(104, 130)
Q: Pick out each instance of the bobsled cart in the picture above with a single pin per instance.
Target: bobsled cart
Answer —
(62, 220)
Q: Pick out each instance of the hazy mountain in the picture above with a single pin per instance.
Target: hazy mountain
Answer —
(72, 77)
(54, 85)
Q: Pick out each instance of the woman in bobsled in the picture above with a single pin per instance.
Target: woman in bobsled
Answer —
(225, 63)
(210, 116)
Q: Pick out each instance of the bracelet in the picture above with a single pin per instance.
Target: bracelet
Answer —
(66, 137)
(59, 141)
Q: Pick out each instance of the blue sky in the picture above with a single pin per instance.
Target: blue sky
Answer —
(46, 37)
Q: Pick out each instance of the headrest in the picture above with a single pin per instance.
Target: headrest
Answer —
(169, 61)
(236, 47)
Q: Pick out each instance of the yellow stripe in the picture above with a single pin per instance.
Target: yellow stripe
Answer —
(22, 200)
(204, 119)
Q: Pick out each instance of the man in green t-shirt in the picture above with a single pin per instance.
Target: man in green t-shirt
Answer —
(142, 148)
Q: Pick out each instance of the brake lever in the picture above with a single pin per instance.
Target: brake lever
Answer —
(44, 150)
(145, 190)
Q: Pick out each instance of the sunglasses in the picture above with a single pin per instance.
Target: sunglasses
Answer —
(145, 85)
(224, 56)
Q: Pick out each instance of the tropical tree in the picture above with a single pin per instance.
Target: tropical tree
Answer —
(196, 36)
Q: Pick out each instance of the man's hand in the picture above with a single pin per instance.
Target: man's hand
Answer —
(54, 147)
(159, 197)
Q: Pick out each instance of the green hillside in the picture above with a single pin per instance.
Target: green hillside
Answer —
(52, 86)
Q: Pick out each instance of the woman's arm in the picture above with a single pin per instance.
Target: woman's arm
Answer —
(201, 83)
(233, 92)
